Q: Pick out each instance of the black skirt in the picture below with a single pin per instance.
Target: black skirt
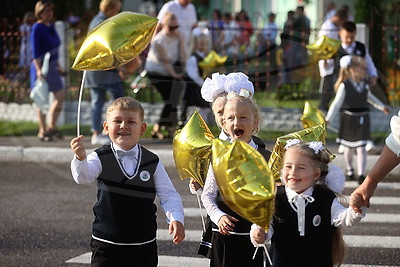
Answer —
(354, 129)
(234, 251)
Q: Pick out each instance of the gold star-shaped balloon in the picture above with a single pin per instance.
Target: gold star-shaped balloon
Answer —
(211, 61)
(311, 116)
(115, 41)
(324, 47)
(244, 180)
(192, 149)
(315, 133)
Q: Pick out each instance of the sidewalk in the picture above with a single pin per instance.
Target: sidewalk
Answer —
(31, 149)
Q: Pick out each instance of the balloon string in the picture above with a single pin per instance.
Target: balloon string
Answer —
(265, 253)
(201, 211)
(78, 116)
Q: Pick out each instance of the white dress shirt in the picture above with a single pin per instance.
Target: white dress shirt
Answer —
(210, 191)
(341, 94)
(186, 17)
(87, 171)
(192, 69)
(340, 215)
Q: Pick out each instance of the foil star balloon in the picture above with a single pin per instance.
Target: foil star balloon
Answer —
(115, 41)
(244, 180)
(311, 116)
(192, 149)
(315, 133)
(211, 61)
(324, 47)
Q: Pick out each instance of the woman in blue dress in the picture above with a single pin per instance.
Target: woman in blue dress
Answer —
(44, 38)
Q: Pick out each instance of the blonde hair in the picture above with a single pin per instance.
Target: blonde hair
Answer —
(126, 103)
(321, 160)
(41, 5)
(254, 108)
(168, 16)
(344, 72)
(107, 4)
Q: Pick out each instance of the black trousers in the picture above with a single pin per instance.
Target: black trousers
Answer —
(327, 91)
(109, 255)
(170, 95)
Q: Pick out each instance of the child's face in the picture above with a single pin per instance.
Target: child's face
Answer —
(202, 45)
(218, 110)
(124, 127)
(299, 172)
(239, 121)
(347, 37)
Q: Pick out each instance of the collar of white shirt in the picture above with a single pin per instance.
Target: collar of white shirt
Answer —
(291, 194)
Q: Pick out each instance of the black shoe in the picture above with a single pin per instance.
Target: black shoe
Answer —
(361, 179)
(350, 177)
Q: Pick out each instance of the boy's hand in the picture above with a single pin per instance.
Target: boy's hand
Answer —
(78, 147)
(258, 235)
(177, 230)
(225, 224)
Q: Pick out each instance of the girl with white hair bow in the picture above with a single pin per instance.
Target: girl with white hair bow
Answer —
(353, 97)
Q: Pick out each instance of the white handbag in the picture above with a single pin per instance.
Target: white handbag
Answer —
(40, 92)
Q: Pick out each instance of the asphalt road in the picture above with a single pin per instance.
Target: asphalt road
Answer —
(46, 220)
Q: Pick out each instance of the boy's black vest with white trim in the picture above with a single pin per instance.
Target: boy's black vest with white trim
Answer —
(288, 247)
(125, 211)
(242, 225)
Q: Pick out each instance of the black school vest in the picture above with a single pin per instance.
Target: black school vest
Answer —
(312, 249)
(125, 210)
(242, 225)
(359, 50)
(354, 101)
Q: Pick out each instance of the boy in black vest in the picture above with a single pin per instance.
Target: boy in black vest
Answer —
(349, 46)
(129, 177)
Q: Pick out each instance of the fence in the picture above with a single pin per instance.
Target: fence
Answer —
(265, 64)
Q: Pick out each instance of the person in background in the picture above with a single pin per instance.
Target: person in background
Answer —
(165, 67)
(287, 47)
(44, 38)
(185, 13)
(246, 28)
(352, 99)
(330, 10)
(101, 82)
(230, 45)
(25, 49)
(217, 26)
(329, 28)
(194, 79)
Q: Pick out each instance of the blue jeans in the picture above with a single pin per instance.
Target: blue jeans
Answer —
(98, 98)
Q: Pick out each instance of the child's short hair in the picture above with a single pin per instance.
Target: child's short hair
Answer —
(349, 26)
(249, 101)
(106, 4)
(127, 103)
(342, 14)
(316, 152)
